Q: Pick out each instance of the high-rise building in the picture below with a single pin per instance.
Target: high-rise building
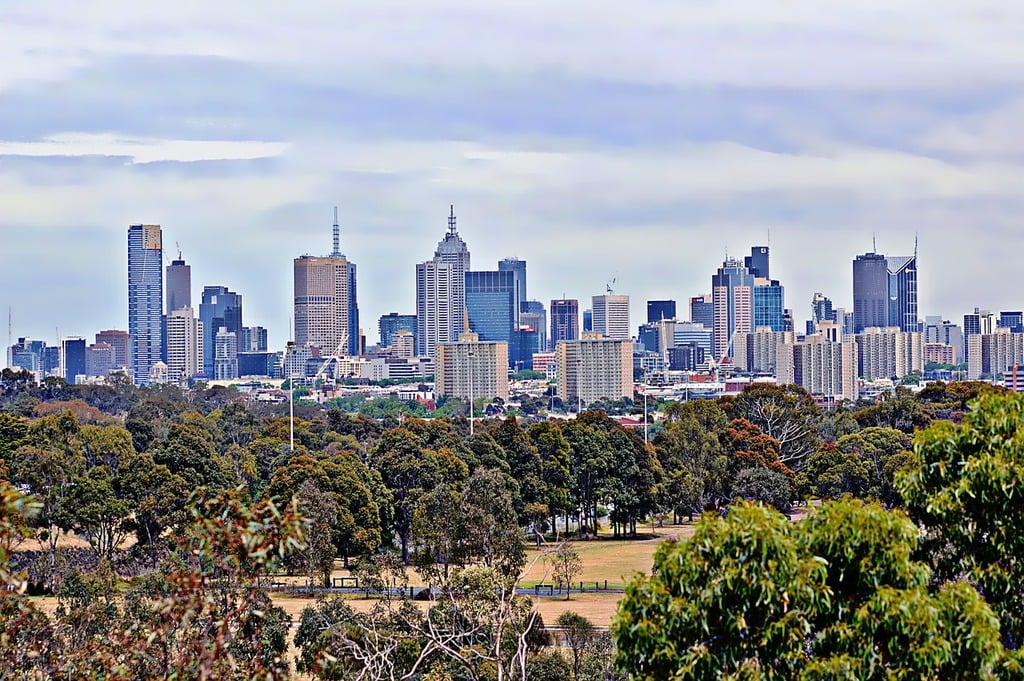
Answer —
(185, 340)
(225, 357)
(658, 310)
(179, 285)
(769, 304)
(611, 316)
(99, 359)
(565, 320)
(758, 352)
(518, 268)
(687, 333)
(889, 353)
(757, 262)
(702, 310)
(390, 324)
(219, 309)
(1014, 321)
(870, 292)
(588, 320)
(402, 344)
(532, 314)
(325, 303)
(145, 298)
(732, 294)
(491, 304)
(441, 292)
(472, 368)
(253, 339)
(902, 272)
(825, 369)
(120, 341)
(594, 368)
(821, 309)
(72, 358)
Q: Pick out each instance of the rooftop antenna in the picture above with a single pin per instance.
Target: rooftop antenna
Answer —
(874, 246)
(915, 246)
(451, 220)
(337, 236)
(10, 328)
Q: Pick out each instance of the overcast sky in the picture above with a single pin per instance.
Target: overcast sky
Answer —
(637, 140)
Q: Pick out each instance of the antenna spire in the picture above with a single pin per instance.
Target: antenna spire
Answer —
(451, 220)
(874, 246)
(337, 236)
(915, 246)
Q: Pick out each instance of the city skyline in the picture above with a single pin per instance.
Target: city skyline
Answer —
(237, 129)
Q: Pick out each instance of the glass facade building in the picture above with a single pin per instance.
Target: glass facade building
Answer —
(902, 271)
(390, 324)
(769, 306)
(870, 292)
(145, 298)
(219, 309)
(491, 304)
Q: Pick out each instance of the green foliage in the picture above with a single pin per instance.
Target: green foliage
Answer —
(565, 566)
(964, 487)
(836, 596)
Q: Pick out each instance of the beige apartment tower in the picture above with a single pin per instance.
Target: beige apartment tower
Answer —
(471, 368)
(594, 368)
(324, 300)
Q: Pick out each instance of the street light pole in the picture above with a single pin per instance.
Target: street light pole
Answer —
(645, 414)
(291, 398)
(470, 355)
(579, 391)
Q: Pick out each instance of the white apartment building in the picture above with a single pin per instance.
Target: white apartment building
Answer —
(184, 344)
(611, 316)
(594, 368)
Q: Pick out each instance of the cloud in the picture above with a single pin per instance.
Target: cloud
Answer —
(588, 138)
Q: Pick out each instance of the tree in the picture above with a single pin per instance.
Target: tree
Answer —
(787, 413)
(765, 485)
(692, 456)
(963, 485)
(836, 596)
(830, 473)
(321, 514)
(579, 632)
(565, 566)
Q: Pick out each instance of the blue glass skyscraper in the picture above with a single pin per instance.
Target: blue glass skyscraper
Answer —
(220, 308)
(145, 298)
(491, 304)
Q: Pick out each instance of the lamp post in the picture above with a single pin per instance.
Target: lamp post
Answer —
(291, 397)
(645, 414)
(579, 391)
(470, 355)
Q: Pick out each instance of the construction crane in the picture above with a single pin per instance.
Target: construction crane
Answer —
(608, 286)
(339, 352)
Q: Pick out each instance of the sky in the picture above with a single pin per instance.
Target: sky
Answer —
(597, 140)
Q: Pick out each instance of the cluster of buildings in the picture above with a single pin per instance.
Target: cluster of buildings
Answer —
(472, 328)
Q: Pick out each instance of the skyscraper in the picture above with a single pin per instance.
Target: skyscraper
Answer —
(611, 315)
(660, 309)
(757, 262)
(491, 304)
(145, 298)
(732, 295)
(121, 342)
(326, 309)
(72, 358)
(441, 292)
(219, 309)
(870, 292)
(518, 268)
(902, 272)
(565, 321)
(179, 285)
(769, 304)
(702, 310)
(184, 344)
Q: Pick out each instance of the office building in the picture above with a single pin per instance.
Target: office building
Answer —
(757, 262)
(698, 334)
(769, 304)
(491, 304)
(902, 273)
(565, 321)
(686, 357)
(611, 316)
(99, 360)
(120, 341)
(441, 292)
(471, 369)
(870, 292)
(518, 269)
(821, 309)
(220, 309)
(259, 364)
(72, 359)
(533, 315)
(658, 310)
(588, 320)
(1014, 321)
(185, 339)
(732, 294)
(594, 368)
(326, 307)
(179, 285)
(702, 310)
(253, 339)
(145, 298)
(225, 357)
(390, 324)
(27, 354)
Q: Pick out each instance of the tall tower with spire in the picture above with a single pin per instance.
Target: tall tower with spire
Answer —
(441, 291)
(326, 307)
